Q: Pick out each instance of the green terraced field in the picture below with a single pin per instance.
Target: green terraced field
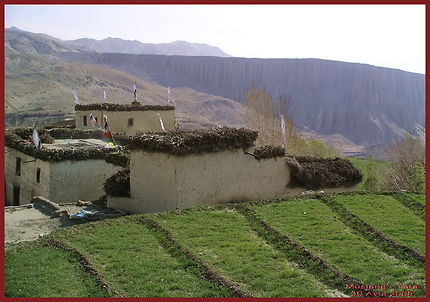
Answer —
(221, 251)
(388, 216)
(136, 264)
(240, 255)
(421, 198)
(312, 224)
(34, 270)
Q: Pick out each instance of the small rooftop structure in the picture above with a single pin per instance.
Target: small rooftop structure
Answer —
(129, 119)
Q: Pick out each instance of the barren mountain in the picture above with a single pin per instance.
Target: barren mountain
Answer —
(117, 45)
(25, 42)
(39, 89)
(366, 104)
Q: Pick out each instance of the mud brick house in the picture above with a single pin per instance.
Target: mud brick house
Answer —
(182, 169)
(70, 165)
(129, 119)
(155, 172)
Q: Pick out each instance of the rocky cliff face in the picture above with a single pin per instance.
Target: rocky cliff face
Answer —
(366, 104)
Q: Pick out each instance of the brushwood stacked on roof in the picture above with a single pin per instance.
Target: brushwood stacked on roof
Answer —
(118, 158)
(118, 184)
(269, 152)
(192, 142)
(316, 173)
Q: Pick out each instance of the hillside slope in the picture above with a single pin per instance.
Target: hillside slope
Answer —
(39, 89)
(366, 104)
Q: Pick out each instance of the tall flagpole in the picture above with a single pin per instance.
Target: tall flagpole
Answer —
(75, 95)
(135, 92)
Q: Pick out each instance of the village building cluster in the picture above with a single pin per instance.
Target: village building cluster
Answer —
(133, 154)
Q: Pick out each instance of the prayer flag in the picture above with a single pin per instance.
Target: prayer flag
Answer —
(282, 125)
(36, 139)
(75, 94)
(161, 123)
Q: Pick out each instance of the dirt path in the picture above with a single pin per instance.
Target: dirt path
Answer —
(24, 224)
(27, 223)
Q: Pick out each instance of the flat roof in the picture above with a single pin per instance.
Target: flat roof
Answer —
(64, 144)
(73, 144)
(192, 142)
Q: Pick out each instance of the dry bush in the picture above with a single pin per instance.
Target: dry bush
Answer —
(264, 115)
(407, 164)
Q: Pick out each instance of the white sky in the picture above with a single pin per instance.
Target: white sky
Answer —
(383, 35)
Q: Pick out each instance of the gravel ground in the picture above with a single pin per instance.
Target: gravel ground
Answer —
(28, 223)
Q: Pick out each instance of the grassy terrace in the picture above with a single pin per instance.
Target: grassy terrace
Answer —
(221, 252)
(34, 270)
(363, 165)
(131, 259)
(312, 224)
(421, 198)
(388, 216)
(223, 239)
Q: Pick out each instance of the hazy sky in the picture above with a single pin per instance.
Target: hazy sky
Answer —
(389, 36)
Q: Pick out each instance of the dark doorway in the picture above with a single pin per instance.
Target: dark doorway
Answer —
(18, 166)
(16, 195)
(38, 175)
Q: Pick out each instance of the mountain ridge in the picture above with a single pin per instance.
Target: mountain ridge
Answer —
(28, 42)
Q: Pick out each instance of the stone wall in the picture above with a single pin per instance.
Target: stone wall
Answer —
(118, 121)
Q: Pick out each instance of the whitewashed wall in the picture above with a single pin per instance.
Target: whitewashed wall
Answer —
(143, 121)
(79, 180)
(161, 182)
(59, 181)
(27, 180)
